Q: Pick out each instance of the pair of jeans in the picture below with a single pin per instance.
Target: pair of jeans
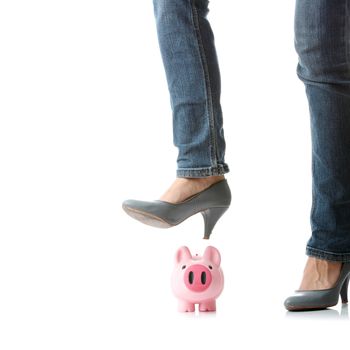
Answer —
(322, 41)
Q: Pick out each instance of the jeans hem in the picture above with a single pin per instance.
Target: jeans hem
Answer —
(220, 169)
(325, 255)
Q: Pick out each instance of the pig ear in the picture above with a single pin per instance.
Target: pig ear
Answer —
(183, 253)
(212, 254)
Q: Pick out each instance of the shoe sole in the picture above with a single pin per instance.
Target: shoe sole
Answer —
(313, 308)
(146, 218)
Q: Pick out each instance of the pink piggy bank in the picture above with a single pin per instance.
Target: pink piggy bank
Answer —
(197, 279)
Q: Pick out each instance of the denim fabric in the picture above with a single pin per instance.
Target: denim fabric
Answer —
(188, 52)
(322, 41)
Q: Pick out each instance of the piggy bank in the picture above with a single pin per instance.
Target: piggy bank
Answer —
(197, 279)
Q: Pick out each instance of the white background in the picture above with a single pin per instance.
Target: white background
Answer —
(85, 122)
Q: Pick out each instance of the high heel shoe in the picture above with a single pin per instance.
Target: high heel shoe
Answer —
(323, 298)
(211, 203)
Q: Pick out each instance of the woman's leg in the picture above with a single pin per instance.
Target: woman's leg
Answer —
(322, 41)
(187, 48)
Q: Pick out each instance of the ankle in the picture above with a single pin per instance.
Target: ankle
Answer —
(320, 274)
(206, 180)
(185, 187)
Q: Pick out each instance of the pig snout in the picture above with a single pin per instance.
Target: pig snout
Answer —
(197, 278)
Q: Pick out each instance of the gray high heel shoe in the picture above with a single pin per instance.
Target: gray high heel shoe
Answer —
(211, 203)
(320, 299)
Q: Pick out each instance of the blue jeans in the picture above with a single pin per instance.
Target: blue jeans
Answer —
(186, 43)
(322, 41)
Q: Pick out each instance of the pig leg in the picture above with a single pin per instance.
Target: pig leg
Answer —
(185, 306)
(208, 305)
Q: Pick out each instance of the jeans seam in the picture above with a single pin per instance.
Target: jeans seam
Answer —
(346, 30)
(313, 194)
(213, 150)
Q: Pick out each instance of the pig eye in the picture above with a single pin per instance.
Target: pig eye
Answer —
(183, 267)
(210, 267)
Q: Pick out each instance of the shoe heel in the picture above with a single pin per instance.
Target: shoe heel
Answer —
(211, 216)
(344, 291)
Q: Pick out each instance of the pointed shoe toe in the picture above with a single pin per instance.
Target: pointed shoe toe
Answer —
(310, 300)
(145, 212)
